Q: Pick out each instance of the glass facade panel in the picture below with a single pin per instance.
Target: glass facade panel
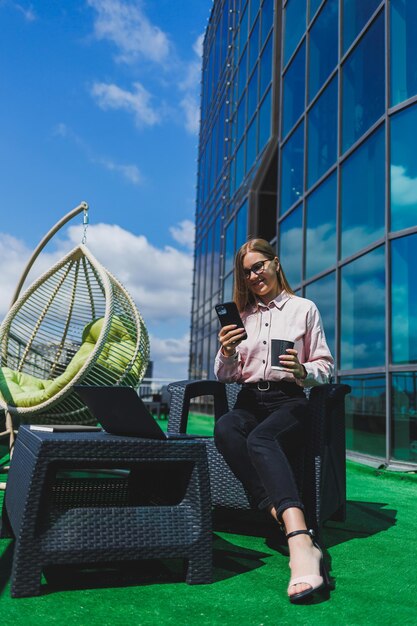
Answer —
(355, 16)
(404, 416)
(365, 414)
(243, 74)
(291, 246)
(251, 147)
(241, 119)
(253, 94)
(323, 43)
(321, 227)
(267, 17)
(363, 311)
(240, 164)
(292, 171)
(254, 46)
(228, 288)
(363, 195)
(403, 50)
(241, 225)
(229, 247)
(266, 67)
(314, 5)
(404, 300)
(265, 121)
(363, 87)
(322, 133)
(295, 25)
(404, 169)
(323, 293)
(294, 90)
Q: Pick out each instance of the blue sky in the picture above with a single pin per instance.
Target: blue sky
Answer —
(99, 102)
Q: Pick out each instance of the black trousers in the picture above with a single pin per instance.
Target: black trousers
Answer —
(259, 439)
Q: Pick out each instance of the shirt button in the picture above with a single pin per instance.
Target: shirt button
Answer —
(267, 324)
(264, 362)
(265, 342)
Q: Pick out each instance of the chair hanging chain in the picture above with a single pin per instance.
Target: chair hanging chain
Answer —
(85, 225)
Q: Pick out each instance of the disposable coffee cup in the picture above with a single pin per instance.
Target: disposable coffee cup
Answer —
(278, 347)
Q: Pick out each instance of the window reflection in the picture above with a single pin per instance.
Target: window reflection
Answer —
(363, 311)
(404, 300)
(251, 147)
(355, 16)
(253, 94)
(291, 246)
(266, 66)
(364, 84)
(254, 46)
(403, 169)
(229, 250)
(292, 169)
(265, 121)
(294, 90)
(365, 414)
(241, 225)
(295, 25)
(323, 293)
(267, 16)
(322, 133)
(228, 288)
(321, 227)
(404, 416)
(323, 43)
(314, 5)
(363, 195)
(403, 50)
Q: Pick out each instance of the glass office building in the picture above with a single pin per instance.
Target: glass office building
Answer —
(308, 139)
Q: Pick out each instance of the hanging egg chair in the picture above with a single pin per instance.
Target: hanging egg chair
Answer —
(76, 324)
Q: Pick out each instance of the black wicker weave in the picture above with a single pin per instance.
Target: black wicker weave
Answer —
(320, 469)
(157, 504)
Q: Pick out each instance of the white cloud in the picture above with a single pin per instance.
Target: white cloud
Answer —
(129, 171)
(27, 12)
(184, 233)
(190, 85)
(126, 25)
(137, 101)
(158, 279)
(403, 187)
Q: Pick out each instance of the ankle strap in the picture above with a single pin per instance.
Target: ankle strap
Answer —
(309, 532)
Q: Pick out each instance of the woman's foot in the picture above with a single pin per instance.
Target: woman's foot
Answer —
(306, 566)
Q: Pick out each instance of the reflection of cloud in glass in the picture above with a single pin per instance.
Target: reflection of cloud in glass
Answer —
(321, 248)
(291, 253)
(403, 187)
(363, 311)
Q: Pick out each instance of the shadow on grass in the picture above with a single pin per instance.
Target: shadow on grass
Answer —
(229, 560)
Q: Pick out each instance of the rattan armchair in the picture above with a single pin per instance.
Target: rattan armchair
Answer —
(320, 469)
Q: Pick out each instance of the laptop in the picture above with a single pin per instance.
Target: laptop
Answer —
(120, 411)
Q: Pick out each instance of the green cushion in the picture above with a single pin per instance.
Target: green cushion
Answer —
(23, 390)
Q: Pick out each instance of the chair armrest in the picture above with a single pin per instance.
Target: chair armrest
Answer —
(183, 391)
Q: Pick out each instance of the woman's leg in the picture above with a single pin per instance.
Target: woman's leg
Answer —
(231, 433)
(269, 446)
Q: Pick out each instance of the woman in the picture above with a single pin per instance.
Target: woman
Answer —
(258, 437)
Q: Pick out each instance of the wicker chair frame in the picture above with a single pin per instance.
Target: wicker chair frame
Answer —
(44, 329)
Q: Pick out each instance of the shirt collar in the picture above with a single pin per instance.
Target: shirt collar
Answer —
(278, 302)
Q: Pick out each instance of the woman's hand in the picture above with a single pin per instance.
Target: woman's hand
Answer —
(229, 337)
(292, 364)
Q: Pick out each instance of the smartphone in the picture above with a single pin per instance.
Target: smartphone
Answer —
(228, 313)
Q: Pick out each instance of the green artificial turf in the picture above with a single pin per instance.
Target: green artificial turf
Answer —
(372, 559)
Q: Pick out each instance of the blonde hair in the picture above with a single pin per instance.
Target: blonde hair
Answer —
(242, 295)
